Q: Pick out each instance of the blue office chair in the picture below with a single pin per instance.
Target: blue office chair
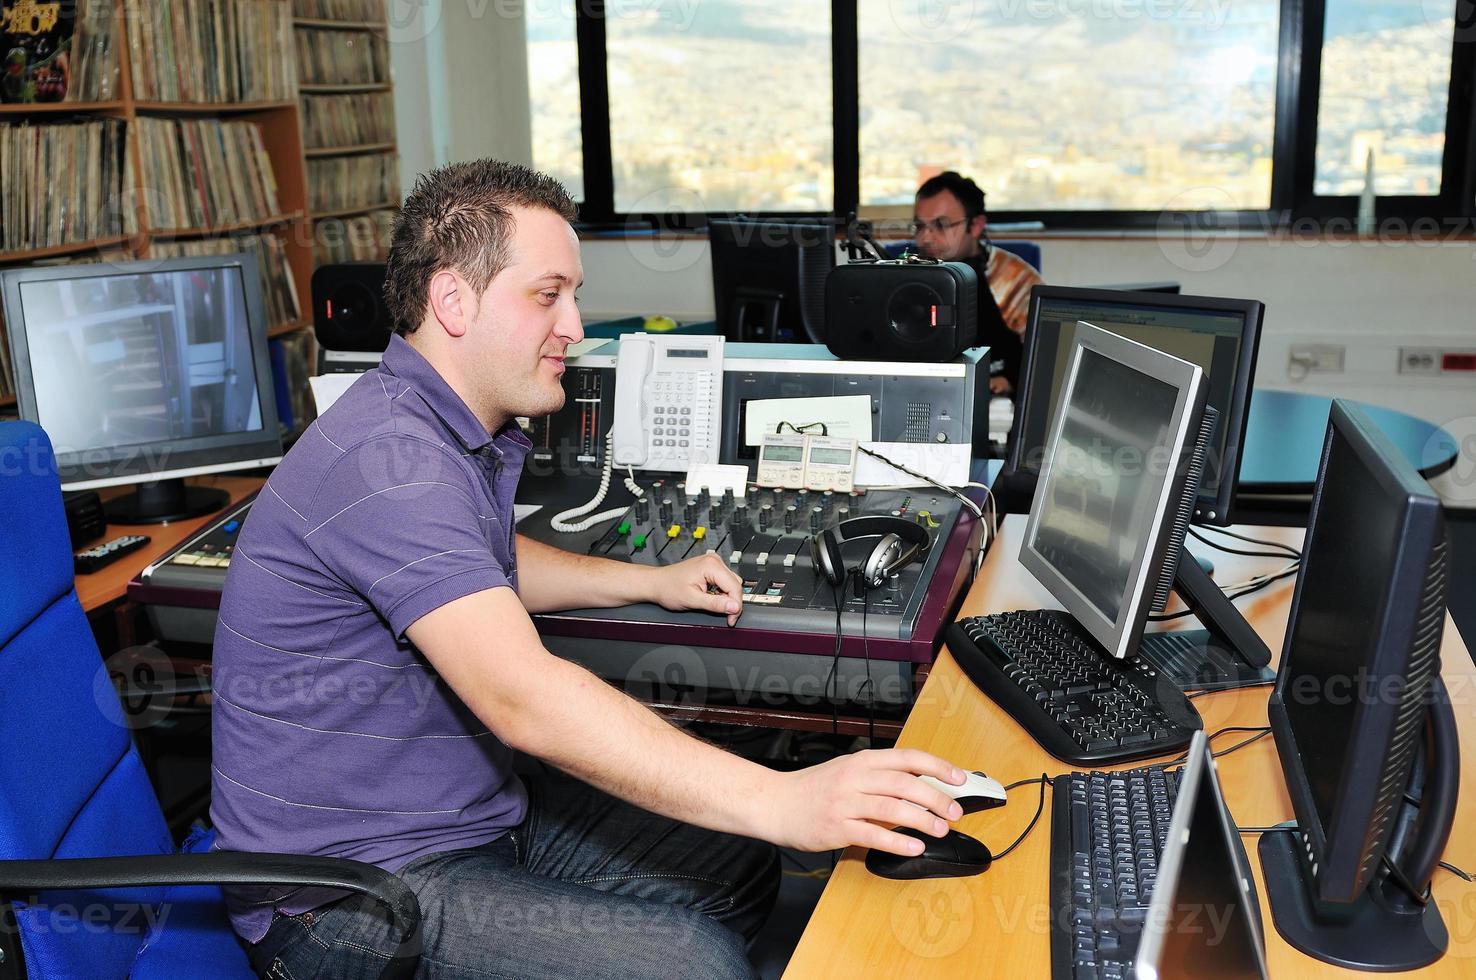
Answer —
(1029, 251)
(90, 882)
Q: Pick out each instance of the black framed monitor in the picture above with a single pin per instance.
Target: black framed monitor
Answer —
(768, 278)
(1204, 919)
(1363, 728)
(1221, 336)
(1106, 530)
(147, 373)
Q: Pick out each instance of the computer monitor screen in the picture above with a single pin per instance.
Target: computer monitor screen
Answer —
(1098, 533)
(768, 278)
(1204, 920)
(144, 371)
(1362, 647)
(1221, 336)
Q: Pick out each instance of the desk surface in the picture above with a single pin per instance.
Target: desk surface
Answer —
(109, 584)
(996, 924)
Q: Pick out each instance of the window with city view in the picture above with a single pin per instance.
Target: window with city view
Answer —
(723, 105)
(553, 86)
(1062, 105)
(1385, 84)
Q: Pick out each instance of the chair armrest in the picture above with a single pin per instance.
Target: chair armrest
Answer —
(232, 868)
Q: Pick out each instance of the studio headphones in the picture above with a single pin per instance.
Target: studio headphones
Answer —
(901, 543)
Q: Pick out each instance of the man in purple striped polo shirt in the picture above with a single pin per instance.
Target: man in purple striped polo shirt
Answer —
(376, 667)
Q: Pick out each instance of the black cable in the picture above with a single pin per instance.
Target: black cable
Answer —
(1463, 875)
(833, 678)
(1285, 548)
(1194, 533)
(1039, 809)
(868, 686)
(1421, 897)
(1267, 830)
(1239, 594)
(1196, 695)
(800, 429)
(1261, 732)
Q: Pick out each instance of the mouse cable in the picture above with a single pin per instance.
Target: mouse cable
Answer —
(1044, 781)
(832, 680)
(1283, 549)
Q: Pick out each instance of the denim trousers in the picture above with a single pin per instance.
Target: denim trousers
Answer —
(586, 886)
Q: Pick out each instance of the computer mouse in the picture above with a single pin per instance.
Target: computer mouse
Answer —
(954, 855)
(978, 792)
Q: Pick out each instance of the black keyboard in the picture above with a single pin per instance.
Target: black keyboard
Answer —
(1078, 703)
(1107, 832)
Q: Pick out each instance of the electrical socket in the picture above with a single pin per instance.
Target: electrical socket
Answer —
(1419, 360)
(1306, 358)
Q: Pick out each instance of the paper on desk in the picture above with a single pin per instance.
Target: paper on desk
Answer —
(948, 463)
(521, 511)
(328, 387)
(717, 478)
(845, 416)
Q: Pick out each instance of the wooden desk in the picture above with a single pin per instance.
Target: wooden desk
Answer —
(996, 924)
(109, 584)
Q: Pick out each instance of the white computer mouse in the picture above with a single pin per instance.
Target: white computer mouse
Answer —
(978, 792)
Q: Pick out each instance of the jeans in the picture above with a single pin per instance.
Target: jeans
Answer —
(586, 886)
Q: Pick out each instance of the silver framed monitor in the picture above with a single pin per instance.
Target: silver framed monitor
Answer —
(145, 373)
(1099, 528)
(1204, 919)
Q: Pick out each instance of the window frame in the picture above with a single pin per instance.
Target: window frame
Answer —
(1293, 205)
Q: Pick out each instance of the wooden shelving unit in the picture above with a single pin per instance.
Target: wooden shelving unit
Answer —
(354, 77)
(281, 137)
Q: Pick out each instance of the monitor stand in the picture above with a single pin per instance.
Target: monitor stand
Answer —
(162, 501)
(1385, 929)
(1226, 654)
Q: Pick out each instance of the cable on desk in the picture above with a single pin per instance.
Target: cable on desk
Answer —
(1463, 875)
(1044, 781)
(1281, 552)
(1196, 695)
(1284, 548)
(1242, 589)
(1260, 733)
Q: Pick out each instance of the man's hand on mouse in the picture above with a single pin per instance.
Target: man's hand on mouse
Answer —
(704, 583)
(858, 799)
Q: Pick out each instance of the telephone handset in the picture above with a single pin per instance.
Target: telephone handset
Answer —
(668, 402)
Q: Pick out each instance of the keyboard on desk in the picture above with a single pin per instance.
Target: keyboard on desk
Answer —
(1108, 831)
(1079, 704)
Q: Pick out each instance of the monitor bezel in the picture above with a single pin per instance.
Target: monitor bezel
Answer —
(118, 465)
(725, 236)
(1341, 856)
(1232, 418)
(1120, 636)
(1199, 765)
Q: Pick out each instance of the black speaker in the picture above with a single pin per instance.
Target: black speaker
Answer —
(907, 310)
(349, 312)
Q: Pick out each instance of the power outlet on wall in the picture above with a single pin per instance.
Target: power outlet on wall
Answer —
(1303, 359)
(1419, 360)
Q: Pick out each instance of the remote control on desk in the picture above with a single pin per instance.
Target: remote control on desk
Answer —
(91, 559)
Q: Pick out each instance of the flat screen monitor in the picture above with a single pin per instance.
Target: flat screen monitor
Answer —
(1204, 920)
(1099, 535)
(1221, 336)
(145, 372)
(768, 278)
(1360, 659)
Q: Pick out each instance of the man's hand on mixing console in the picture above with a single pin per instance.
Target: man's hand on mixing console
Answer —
(703, 583)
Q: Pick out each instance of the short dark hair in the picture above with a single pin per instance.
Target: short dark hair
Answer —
(460, 217)
(961, 187)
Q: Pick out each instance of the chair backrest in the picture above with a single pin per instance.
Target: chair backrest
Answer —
(1029, 251)
(71, 783)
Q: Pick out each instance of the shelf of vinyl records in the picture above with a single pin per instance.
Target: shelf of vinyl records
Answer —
(168, 148)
